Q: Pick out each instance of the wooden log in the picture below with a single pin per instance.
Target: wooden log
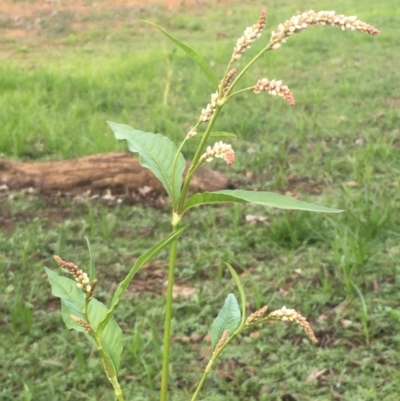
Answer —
(117, 171)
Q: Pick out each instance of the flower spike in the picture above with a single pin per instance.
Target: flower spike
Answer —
(256, 316)
(207, 113)
(291, 315)
(274, 88)
(87, 326)
(220, 150)
(81, 278)
(221, 342)
(300, 22)
(249, 36)
(227, 80)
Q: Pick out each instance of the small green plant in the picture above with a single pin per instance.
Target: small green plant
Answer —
(82, 312)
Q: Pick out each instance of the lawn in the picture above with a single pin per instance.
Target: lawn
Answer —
(338, 147)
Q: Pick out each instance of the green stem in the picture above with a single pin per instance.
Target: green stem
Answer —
(173, 172)
(174, 163)
(203, 379)
(117, 388)
(246, 68)
(85, 309)
(240, 91)
(196, 158)
(168, 318)
(214, 357)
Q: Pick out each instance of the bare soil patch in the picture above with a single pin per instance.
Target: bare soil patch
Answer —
(24, 17)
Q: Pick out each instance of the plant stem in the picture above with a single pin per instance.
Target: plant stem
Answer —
(214, 357)
(117, 388)
(203, 379)
(245, 69)
(174, 163)
(240, 91)
(168, 318)
(196, 158)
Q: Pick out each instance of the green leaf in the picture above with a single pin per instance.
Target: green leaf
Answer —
(92, 268)
(220, 134)
(241, 291)
(228, 319)
(269, 199)
(191, 53)
(157, 153)
(73, 302)
(72, 298)
(141, 260)
(111, 337)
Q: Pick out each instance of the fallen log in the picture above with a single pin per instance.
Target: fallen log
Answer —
(119, 172)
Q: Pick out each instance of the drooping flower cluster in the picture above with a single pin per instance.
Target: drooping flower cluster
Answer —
(87, 326)
(227, 81)
(274, 88)
(81, 278)
(254, 317)
(207, 113)
(300, 22)
(249, 36)
(220, 150)
(291, 315)
(221, 342)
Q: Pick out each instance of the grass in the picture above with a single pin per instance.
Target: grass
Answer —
(338, 146)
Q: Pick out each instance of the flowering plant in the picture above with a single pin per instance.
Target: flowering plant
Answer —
(82, 312)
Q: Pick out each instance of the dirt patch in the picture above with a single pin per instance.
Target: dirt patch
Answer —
(26, 8)
(303, 185)
(25, 17)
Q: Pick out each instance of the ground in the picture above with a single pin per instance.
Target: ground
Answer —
(21, 18)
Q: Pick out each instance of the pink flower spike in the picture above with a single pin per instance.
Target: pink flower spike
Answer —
(220, 150)
(229, 156)
(274, 88)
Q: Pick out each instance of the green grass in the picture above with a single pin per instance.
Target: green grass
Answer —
(56, 94)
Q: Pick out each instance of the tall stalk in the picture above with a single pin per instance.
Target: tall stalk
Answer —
(168, 317)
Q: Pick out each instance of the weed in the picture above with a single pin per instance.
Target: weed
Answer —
(313, 140)
(83, 312)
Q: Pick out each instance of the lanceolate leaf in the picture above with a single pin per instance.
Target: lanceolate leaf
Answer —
(269, 199)
(191, 53)
(141, 260)
(228, 319)
(241, 291)
(92, 267)
(73, 302)
(157, 153)
(111, 338)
